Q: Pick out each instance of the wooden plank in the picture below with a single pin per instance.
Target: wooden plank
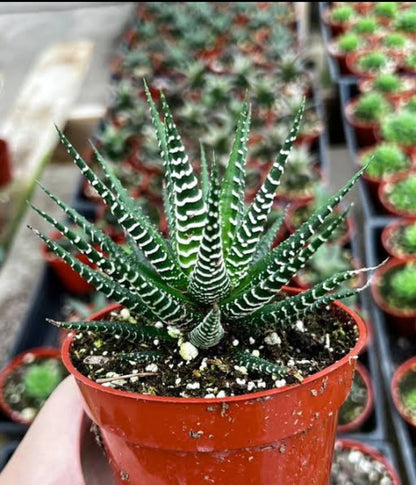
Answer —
(46, 98)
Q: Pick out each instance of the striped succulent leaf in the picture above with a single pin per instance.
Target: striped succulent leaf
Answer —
(264, 290)
(168, 193)
(209, 332)
(143, 357)
(190, 209)
(266, 242)
(251, 227)
(259, 365)
(129, 331)
(233, 185)
(204, 174)
(209, 281)
(290, 308)
(134, 223)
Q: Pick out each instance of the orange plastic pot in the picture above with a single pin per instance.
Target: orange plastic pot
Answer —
(5, 164)
(383, 191)
(388, 232)
(36, 353)
(69, 277)
(405, 368)
(364, 131)
(279, 436)
(402, 322)
(369, 405)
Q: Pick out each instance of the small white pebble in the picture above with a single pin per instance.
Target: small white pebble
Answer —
(280, 383)
(193, 385)
(255, 353)
(125, 314)
(151, 368)
(250, 386)
(272, 339)
(251, 341)
(240, 382)
(188, 351)
(209, 396)
(159, 325)
(178, 381)
(221, 394)
(156, 342)
(235, 342)
(300, 326)
(134, 379)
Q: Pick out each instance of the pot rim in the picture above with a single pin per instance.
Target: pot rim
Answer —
(352, 355)
(375, 284)
(398, 375)
(369, 405)
(38, 352)
(373, 452)
(388, 206)
(389, 230)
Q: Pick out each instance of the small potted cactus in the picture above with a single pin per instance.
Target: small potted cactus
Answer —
(400, 128)
(364, 113)
(27, 382)
(360, 464)
(345, 44)
(339, 18)
(387, 159)
(385, 11)
(398, 194)
(370, 63)
(406, 22)
(359, 405)
(403, 389)
(190, 364)
(394, 290)
(393, 86)
(368, 27)
(409, 63)
(399, 239)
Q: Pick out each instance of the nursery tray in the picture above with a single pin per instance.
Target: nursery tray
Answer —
(334, 70)
(347, 91)
(7, 452)
(393, 350)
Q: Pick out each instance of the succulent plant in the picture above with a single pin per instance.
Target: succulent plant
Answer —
(395, 40)
(407, 387)
(114, 141)
(402, 194)
(410, 60)
(402, 286)
(409, 238)
(411, 104)
(373, 62)
(386, 159)
(371, 107)
(342, 14)
(41, 379)
(355, 404)
(349, 42)
(399, 128)
(387, 83)
(386, 9)
(191, 289)
(366, 25)
(406, 21)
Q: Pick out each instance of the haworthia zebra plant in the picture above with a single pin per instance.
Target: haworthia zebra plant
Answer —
(218, 268)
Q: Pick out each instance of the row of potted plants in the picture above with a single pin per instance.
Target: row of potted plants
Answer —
(379, 40)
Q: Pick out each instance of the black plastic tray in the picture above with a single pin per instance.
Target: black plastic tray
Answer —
(334, 70)
(7, 452)
(393, 350)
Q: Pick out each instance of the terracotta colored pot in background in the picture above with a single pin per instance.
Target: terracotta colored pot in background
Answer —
(342, 241)
(373, 453)
(340, 57)
(364, 131)
(405, 368)
(69, 277)
(373, 183)
(401, 322)
(287, 197)
(388, 231)
(365, 86)
(5, 163)
(36, 353)
(337, 28)
(369, 406)
(388, 207)
(352, 64)
(283, 435)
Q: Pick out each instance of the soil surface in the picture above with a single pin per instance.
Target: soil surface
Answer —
(353, 467)
(302, 349)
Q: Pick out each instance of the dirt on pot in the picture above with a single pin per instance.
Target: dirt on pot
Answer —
(303, 348)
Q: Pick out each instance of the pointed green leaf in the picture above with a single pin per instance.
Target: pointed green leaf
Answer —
(209, 332)
(259, 365)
